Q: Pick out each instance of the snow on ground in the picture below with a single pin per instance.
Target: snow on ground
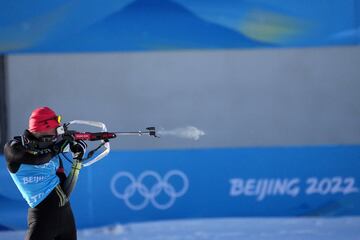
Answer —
(223, 229)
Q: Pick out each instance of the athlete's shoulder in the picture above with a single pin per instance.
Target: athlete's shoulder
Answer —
(14, 153)
(13, 148)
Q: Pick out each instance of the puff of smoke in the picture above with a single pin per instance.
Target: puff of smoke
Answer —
(189, 132)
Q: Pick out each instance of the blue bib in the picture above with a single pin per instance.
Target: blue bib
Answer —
(35, 182)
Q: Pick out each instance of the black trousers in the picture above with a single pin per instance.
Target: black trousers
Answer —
(49, 221)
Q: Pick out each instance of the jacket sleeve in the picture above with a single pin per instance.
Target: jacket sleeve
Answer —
(16, 154)
(70, 182)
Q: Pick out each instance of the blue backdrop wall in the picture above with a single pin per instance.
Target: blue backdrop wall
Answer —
(130, 186)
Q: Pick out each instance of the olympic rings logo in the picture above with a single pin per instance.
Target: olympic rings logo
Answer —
(149, 194)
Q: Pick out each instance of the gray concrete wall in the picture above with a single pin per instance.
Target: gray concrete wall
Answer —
(266, 97)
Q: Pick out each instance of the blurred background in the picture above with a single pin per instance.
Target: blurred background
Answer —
(272, 86)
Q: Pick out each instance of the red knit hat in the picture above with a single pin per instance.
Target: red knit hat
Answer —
(43, 119)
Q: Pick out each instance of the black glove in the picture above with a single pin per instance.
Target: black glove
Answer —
(78, 148)
(63, 141)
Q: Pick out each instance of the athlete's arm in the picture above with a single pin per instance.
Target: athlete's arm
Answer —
(78, 148)
(16, 154)
(72, 178)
